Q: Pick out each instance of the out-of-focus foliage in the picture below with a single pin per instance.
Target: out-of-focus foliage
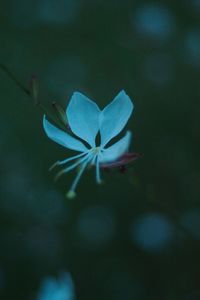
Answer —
(136, 236)
(60, 289)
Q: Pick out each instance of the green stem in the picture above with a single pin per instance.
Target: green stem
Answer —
(13, 78)
(28, 93)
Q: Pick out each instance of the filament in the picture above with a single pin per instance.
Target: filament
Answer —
(66, 170)
(77, 178)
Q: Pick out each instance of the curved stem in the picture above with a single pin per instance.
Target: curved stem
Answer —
(28, 93)
(13, 78)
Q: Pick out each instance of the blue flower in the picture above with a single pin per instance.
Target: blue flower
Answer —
(85, 121)
(61, 289)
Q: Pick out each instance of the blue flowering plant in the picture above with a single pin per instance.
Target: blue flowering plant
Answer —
(78, 127)
(85, 120)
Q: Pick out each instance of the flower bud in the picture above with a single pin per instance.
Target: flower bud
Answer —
(121, 161)
(34, 89)
(60, 113)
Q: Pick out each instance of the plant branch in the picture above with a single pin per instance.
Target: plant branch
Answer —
(30, 94)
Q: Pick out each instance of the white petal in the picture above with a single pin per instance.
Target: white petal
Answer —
(83, 117)
(115, 116)
(62, 138)
(115, 151)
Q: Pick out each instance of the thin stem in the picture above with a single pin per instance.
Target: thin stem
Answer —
(13, 78)
(28, 93)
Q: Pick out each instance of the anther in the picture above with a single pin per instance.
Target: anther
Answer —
(71, 195)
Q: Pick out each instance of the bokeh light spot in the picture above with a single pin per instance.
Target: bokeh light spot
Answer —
(154, 21)
(191, 221)
(192, 47)
(152, 232)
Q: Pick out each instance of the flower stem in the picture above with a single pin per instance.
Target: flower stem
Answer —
(13, 78)
(29, 94)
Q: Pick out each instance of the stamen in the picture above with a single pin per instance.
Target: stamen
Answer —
(71, 167)
(98, 178)
(53, 166)
(93, 160)
(95, 151)
(71, 194)
(61, 162)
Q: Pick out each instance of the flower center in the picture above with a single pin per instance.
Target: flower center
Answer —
(96, 150)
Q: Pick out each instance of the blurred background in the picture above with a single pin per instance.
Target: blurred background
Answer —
(138, 235)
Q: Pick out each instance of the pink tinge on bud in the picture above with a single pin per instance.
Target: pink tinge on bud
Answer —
(121, 162)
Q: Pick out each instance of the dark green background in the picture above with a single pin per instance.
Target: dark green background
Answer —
(98, 50)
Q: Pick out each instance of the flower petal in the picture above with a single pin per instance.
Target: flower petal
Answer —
(62, 138)
(115, 116)
(113, 152)
(123, 160)
(83, 117)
